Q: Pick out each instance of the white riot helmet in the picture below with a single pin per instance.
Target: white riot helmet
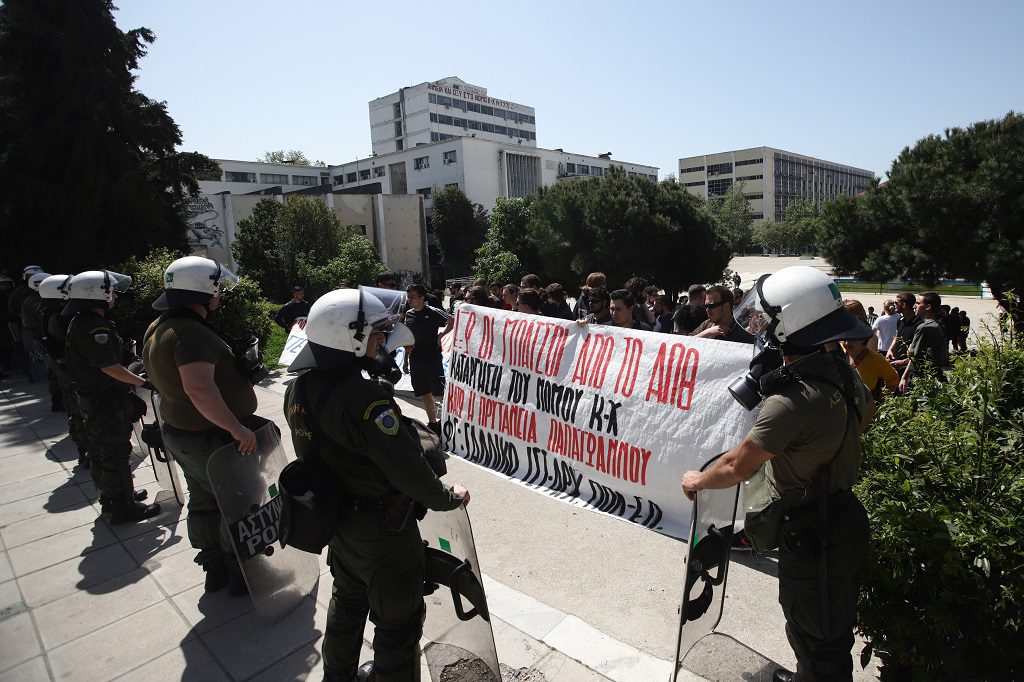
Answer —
(28, 271)
(339, 325)
(194, 279)
(55, 288)
(36, 279)
(800, 306)
(94, 289)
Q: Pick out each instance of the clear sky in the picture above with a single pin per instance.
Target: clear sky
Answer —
(853, 82)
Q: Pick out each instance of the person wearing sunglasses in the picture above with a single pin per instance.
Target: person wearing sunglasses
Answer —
(718, 302)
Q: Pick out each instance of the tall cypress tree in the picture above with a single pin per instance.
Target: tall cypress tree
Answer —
(89, 165)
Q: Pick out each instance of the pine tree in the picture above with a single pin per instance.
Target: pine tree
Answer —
(89, 165)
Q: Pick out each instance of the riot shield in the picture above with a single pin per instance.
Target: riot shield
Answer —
(458, 623)
(246, 488)
(147, 435)
(707, 566)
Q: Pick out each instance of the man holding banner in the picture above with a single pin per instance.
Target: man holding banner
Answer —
(804, 454)
(424, 356)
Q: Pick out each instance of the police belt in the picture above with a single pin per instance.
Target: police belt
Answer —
(372, 505)
(835, 503)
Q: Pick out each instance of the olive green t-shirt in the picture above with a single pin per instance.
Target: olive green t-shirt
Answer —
(804, 423)
(377, 453)
(31, 314)
(180, 341)
(92, 343)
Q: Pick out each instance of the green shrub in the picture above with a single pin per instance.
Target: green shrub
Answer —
(943, 483)
(244, 311)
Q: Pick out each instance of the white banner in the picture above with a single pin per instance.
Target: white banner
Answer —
(600, 417)
(296, 342)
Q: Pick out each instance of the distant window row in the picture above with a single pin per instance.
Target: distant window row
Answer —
(749, 177)
(583, 169)
(441, 137)
(749, 162)
(719, 168)
(481, 109)
(693, 169)
(470, 124)
(698, 183)
(272, 178)
(757, 216)
(358, 176)
(754, 196)
(643, 175)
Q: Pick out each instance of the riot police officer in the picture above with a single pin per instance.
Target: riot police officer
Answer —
(33, 309)
(53, 293)
(354, 428)
(94, 355)
(807, 437)
(205, 396)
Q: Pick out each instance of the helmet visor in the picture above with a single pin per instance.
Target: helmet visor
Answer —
(394, 302)
(224, 279)
(749, 314)
(119, 283)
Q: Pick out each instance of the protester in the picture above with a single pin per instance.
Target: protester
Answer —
(871, 315)
(641, 313)
(692, 314)
(856, 308)
(509, 296)
(528, 302)
(455, 297)
(530, 282)
(928, 350)
(965, 330)
(293, 309)
(423, 359)
(885, 326)
(598, 303)
(595, 280)
(621, 308)
(555, 305)
(718, 302)
(664, 309)
(387, 280)
(897, 352)
(478, 295)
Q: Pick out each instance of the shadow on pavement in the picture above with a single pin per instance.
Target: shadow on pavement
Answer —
(767, 563)
(718, 656)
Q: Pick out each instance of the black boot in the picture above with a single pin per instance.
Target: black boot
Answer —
(783, 675)
(216, 576)
(83, 457)
(106, 507)
(366, 672)
(133, 511)
(236, 581)
(56, 403)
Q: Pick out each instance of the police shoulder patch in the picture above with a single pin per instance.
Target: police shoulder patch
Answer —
(101, 338)
(387, 422)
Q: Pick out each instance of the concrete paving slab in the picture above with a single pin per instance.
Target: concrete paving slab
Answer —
(176, 572)
(191, 661)
(65, 498)
(71, 617)
(207, 611)
(12, 490)
(18, 641)
(22, 532)
(163, 540)
(608, 656)
(125, 645)
(78, 573)
(56, 548)
(249, 645)
(34, 670)
(6, 572)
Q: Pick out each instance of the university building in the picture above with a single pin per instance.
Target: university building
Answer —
(771, 178)
(447, 109)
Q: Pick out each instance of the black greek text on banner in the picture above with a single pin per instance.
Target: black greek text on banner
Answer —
(600, 417)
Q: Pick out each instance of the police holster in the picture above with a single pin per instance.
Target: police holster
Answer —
(441, 568)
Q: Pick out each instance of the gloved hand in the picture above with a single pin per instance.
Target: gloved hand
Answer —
(148, 385)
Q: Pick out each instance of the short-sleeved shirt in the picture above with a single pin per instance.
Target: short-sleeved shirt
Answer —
(291, 311)
(375, 452)
(92, 343)
(424, 324)
(182, 339)
(877, 373)
(904, 335)
(736, 333)
(804, 424)
(885, 330)
(929, 346)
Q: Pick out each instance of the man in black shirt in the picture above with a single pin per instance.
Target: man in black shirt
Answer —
(423, 358)
(621, 309)
(597, 305)
(293, 309)
(897, 352)
(718, 302)
(690, 316)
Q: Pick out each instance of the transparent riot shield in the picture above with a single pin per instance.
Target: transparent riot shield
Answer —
(707, 566)
(279, 578)
(458, 623)
(150, 442)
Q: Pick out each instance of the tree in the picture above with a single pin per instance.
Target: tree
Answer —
(357, 262)
(89, 165)
(507, 252)
(796, 233)
(293, 156)
(256, 249)
(310, 235)
(953, 207)
(732, 218)
(459, 226)
(625, 226)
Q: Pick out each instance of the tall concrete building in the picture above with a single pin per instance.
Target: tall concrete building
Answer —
(445, 109)
(771, 178)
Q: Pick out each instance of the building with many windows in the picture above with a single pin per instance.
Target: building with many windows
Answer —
(446, 109)
(771, 178)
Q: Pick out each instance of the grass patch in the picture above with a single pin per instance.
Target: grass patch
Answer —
(274, 347)
(886, 288)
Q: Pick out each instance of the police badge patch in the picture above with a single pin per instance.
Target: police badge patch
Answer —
(101, 338)
(387, 421)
